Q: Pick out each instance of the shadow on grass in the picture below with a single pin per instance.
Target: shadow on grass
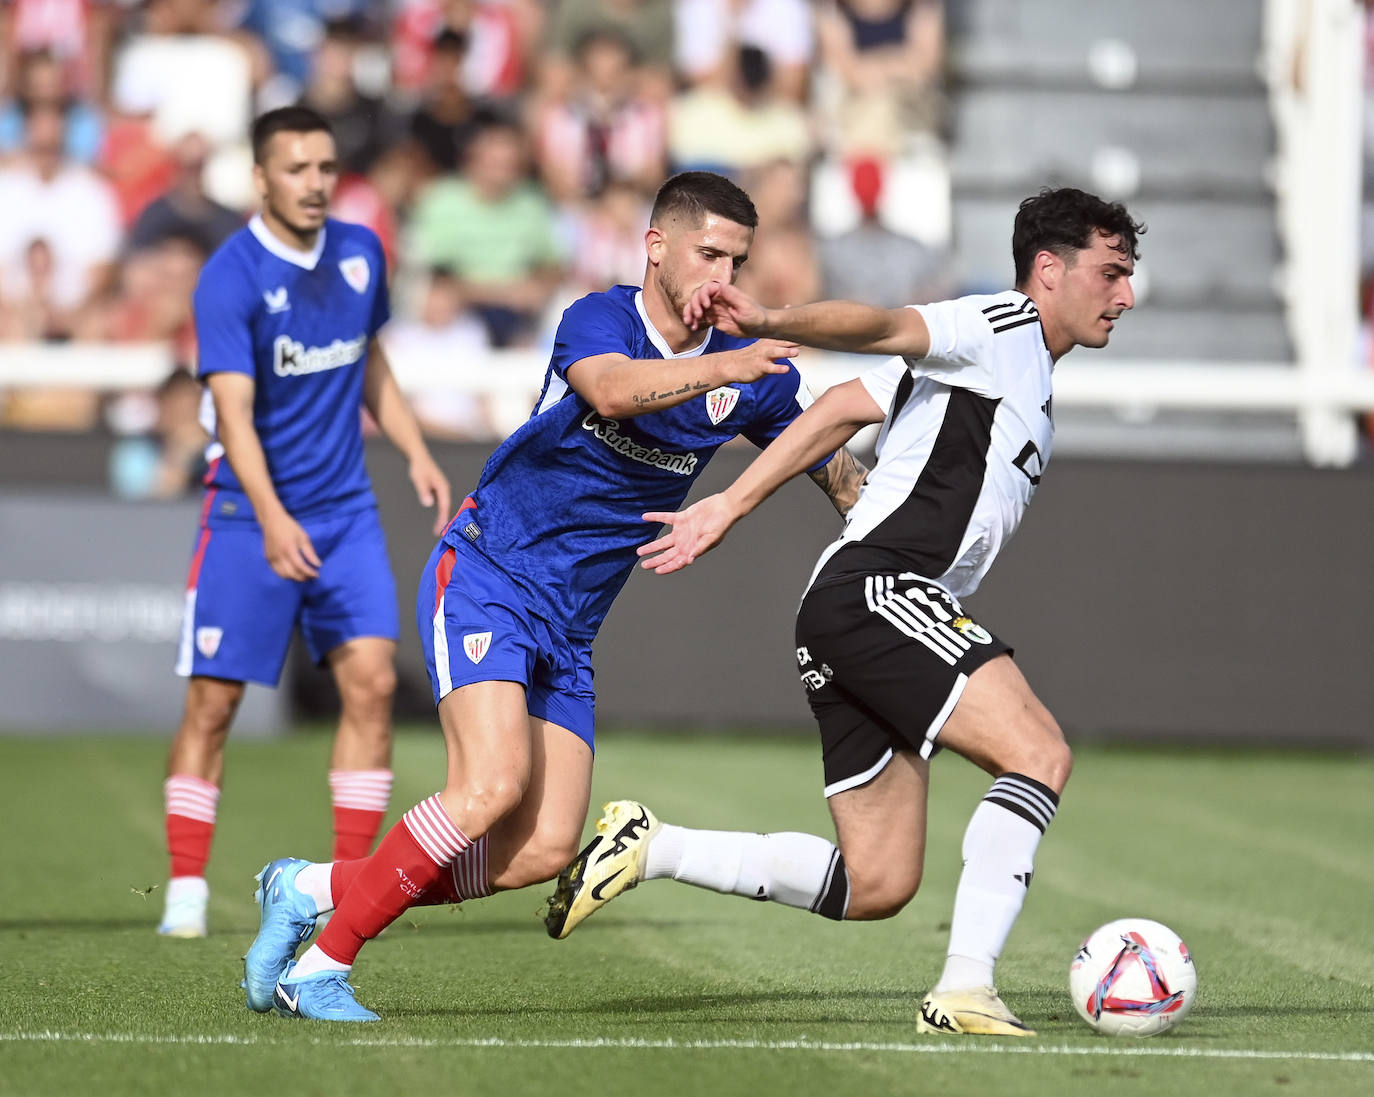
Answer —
(458, 924)
(1047, 1009)
(692, 1006)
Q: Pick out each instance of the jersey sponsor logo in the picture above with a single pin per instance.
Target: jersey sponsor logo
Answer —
(477, 644)
(720, 403)
(275, 299)
(608, 431)
(293, 359)
(356, 272)
(207, 640)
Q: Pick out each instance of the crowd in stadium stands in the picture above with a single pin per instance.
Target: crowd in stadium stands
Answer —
(505, 151)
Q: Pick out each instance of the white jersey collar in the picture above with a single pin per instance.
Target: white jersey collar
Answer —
(656, 338)
(306, 259)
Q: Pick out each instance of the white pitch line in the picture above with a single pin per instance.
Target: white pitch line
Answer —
(629, 1044)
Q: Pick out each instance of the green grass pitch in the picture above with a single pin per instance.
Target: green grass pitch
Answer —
(1262, 862)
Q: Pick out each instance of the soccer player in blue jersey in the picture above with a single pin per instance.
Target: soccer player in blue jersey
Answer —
(287, 313)
(634, 404)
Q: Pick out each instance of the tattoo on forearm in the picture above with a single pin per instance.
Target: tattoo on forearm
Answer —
(841, 479)
(642, 400)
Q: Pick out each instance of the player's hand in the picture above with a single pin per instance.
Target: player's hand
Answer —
(763, 356)
(693, 532)
(724, 307)
(431, 488)
(288, 549)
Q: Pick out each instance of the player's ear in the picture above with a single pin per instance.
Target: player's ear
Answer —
(655, 244)
(260, 181)
(1049, 268)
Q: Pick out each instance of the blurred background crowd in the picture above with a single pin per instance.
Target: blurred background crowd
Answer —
(505, 151)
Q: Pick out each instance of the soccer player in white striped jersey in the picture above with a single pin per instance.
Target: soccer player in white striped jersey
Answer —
(893, 665)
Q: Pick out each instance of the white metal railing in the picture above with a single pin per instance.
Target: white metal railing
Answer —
(1080, 380)
(1314, 65)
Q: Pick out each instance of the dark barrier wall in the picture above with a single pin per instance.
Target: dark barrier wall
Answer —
(1144, 599)
(91, 599)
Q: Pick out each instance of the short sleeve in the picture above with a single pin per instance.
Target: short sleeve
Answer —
(381, 297)
(960, 347)
(881, 381)
(590, 326)
(779, 399)
(224, 336)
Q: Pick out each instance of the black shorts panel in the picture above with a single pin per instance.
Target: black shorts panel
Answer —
(884, 659)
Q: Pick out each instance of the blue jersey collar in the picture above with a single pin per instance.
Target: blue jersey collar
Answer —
(660, 343)
(307, 259)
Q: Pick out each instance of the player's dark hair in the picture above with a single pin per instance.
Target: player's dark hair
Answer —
(691, 195)
(285, 120)
(1063, 221)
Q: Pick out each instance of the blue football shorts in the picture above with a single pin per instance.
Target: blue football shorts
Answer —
(474, 627)
(240, 613)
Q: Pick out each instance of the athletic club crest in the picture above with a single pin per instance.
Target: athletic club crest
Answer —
(356, 272)
(207, 641)
(720, 403)
(476, 644)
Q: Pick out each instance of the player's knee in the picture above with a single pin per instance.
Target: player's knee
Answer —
(1051, 761)
(371, 690)
(210, 710)
(1039, 752)
(881, 894)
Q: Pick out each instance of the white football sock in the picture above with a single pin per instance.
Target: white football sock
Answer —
(315, 960)
(185, 888)
(315, 881)
(999, 856)
(798, 870)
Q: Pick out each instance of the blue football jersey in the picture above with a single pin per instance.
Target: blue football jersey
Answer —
(299, 324)
(559, 503)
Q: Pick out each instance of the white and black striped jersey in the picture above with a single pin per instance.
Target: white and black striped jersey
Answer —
(967, 435)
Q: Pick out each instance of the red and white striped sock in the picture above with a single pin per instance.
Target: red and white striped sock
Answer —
(466, 878)
(191, 804)
(468, 874)
(360, 798)
(410, 860)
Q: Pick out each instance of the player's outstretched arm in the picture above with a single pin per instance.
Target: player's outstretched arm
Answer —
(822, 428)
(841, 478)
(827, 325)
(388, 406)
(620, 387)
(285, 544)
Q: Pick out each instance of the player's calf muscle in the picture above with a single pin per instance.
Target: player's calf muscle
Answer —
(875, 896)
(541, 858)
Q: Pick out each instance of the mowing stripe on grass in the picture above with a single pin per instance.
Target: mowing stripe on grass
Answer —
(630, 1044)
